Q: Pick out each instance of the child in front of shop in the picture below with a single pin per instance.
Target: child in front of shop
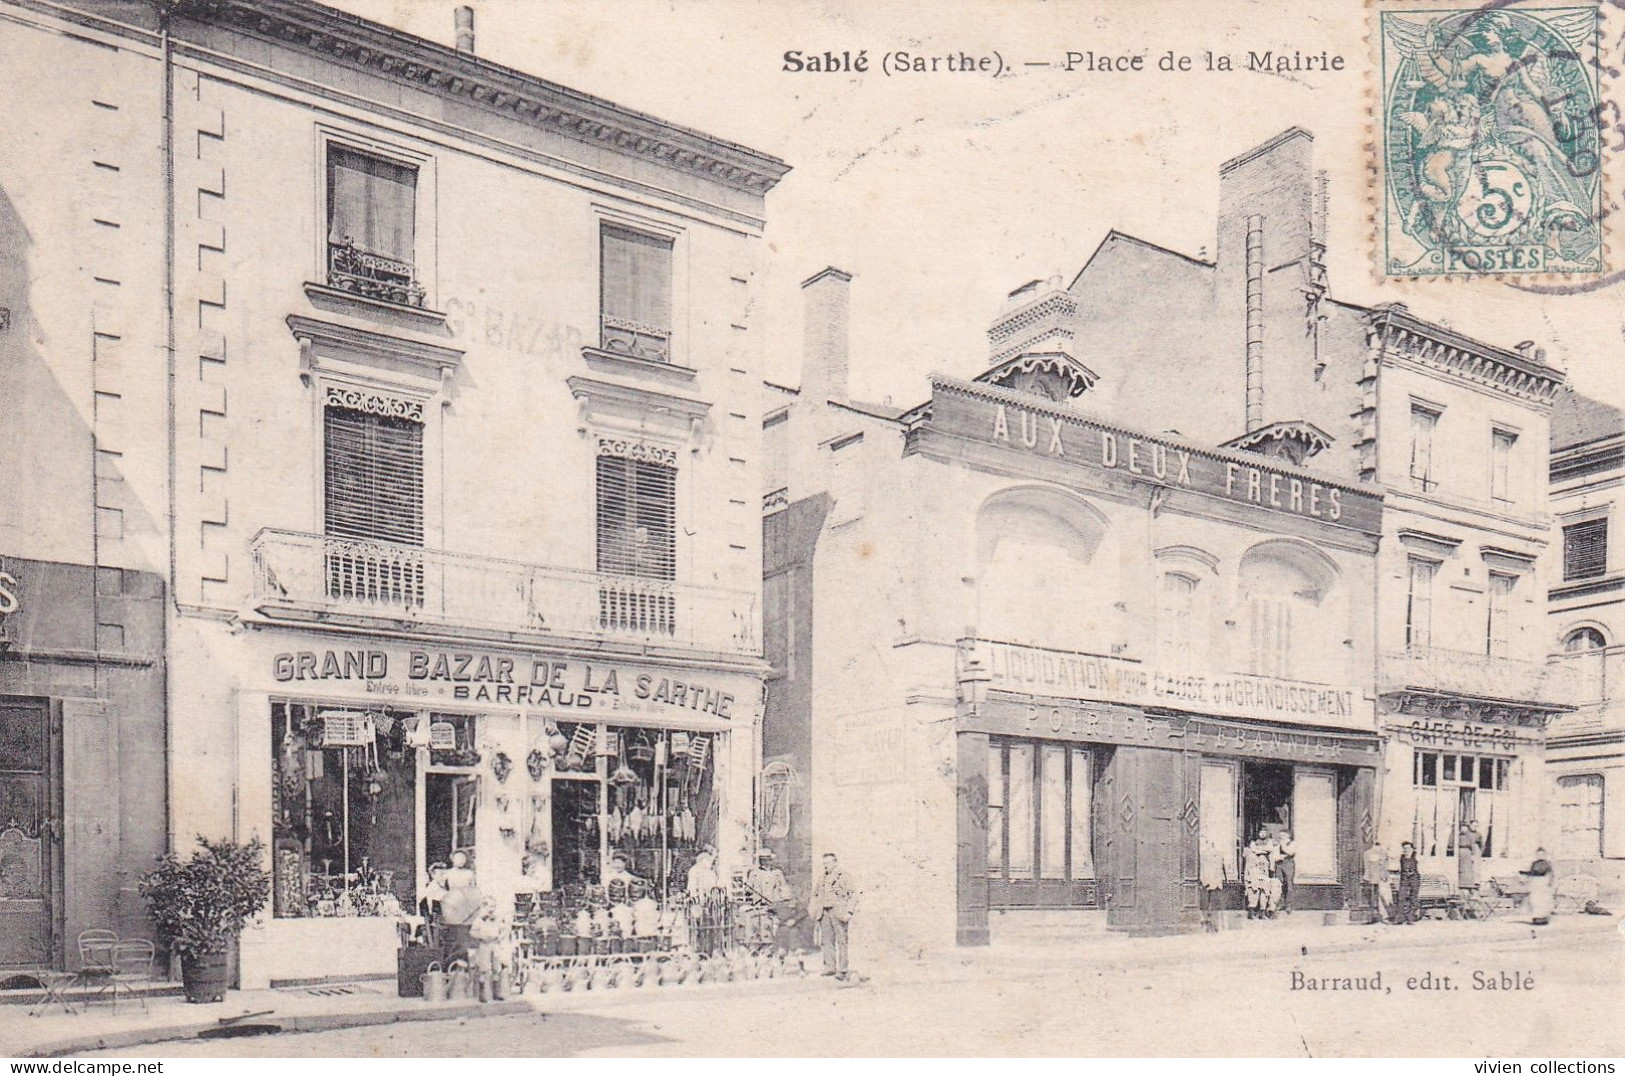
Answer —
(491, 957)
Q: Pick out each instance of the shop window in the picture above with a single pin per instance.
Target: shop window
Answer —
(1501, 442)
(344, 820)
(637, 545)
(1453, 789)
(372, 507)
(1424, 422)
(371, 226)
(1585, 549)
(1498, 629)
(1220, 847)
(1419, 604)
(1039, 812)
(1580, 807)
(644, 794)
(635, 285)
(1314, 825)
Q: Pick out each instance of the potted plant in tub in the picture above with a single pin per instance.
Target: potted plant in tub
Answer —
(199, 907)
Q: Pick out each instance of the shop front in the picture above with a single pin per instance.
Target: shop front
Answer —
(1110, 798)
(566, 783)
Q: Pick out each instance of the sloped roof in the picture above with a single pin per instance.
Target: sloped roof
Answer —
(1579, 420)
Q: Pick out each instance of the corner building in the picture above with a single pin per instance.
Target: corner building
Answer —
(1061, 639)
(463, 452)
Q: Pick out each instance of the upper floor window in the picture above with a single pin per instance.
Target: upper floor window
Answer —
(1501, 442)
(1419, 604)
(1587, 648)
(1175, 616)
(1585, 549)
(372, 225)
(637, 541)
(373, 505)
(635, 293)
(1424, 421)
(1283, 587)
(1497, 630)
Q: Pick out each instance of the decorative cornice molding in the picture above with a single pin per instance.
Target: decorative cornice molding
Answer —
(1398, 334)
(373, 402)
(348, 40)
(1309, 438)
(1032, 372)
(624, 448)
(434, 361)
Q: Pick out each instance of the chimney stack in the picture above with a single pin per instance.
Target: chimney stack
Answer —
(465, 29)
(824, 353)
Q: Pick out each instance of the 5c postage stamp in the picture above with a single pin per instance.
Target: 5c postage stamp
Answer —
(1490, 148)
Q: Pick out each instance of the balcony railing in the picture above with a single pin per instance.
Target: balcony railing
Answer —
(624, 337)
(374, 276)
(1480, 676)
(317, 576)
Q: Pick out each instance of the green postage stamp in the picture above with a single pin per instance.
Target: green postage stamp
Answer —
(1490, 152)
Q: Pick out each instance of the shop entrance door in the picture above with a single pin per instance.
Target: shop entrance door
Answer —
(28, 832)
(449, 801)
(1266, 804)
(577, 851)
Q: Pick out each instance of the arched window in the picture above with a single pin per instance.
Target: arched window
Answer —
(1283, 584)
(1036, 579)
(1585, 648)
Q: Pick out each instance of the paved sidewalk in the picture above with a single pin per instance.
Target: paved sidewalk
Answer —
(313, 1008)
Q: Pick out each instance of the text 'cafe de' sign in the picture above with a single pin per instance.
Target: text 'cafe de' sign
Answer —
(1061, 674)
(1072, 439)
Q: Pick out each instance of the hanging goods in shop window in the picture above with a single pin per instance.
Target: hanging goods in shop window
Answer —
(442, 736)
(536, 764)
(346, 728)
(501, 767)
(417, 732)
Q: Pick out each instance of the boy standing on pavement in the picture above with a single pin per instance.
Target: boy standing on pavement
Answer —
(1410, 884)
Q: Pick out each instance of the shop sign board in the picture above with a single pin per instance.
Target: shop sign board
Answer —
(1061, 674)
(1055, 433)
(1442, 732)
(530, 681)
(870, 749)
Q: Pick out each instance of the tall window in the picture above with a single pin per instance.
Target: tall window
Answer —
(1497, 631)
(635, 293)
(1585, 549)
(1585, 647)
(1039, 812)
(1579, 799)
(1424, 420)
(1283, 585)
(1501, 442)
(371, 226)
(1452, 790)
(1419, 604)
(1176, 614)
(637, 545)
(373, 507)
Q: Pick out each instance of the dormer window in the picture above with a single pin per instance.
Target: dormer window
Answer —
(372, 226)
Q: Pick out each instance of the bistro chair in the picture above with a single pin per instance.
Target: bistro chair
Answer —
(133, 959)
(97, 963)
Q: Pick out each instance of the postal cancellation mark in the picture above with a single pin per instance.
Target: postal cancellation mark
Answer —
(1490, 145)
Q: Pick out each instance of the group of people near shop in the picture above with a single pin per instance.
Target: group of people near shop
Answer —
(1394, 884)
(1269, 865)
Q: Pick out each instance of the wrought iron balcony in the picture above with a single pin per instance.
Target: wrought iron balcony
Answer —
(373, 276)
(623, 337)
(1475, 675)
(318, 577)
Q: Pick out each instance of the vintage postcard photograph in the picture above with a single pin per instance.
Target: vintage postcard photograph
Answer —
(636, 529)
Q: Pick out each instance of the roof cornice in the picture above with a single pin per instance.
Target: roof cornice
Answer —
(1399, 333)
(342, 38)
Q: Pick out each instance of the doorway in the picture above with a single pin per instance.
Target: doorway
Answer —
(577, 855)
(449, 802)
(1266, 799)
(29, 760)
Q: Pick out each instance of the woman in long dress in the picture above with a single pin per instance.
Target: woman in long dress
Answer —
(1469, 846)
(1542, 888)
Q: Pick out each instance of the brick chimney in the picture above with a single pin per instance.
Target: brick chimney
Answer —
(464, 19)
(824, 350)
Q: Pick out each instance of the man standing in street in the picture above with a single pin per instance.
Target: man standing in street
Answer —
(1410, 884)
(834, 900)
(1381, 887)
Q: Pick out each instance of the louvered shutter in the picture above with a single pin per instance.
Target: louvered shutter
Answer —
(635, 292)
(637, 506)
(1585, 549)
(374, 477)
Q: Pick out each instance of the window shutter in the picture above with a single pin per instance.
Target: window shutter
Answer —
(1585, 549)
(371, 202)
(374, 477)
(1419, 613)
(636, 277)
(637, 518)
(1422, 424)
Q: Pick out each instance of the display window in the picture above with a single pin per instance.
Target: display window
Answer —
(1452, 790)
(1040, 836)
(344, 819)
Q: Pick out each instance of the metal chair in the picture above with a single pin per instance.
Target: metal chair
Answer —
(133, 959)
(97, 964)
